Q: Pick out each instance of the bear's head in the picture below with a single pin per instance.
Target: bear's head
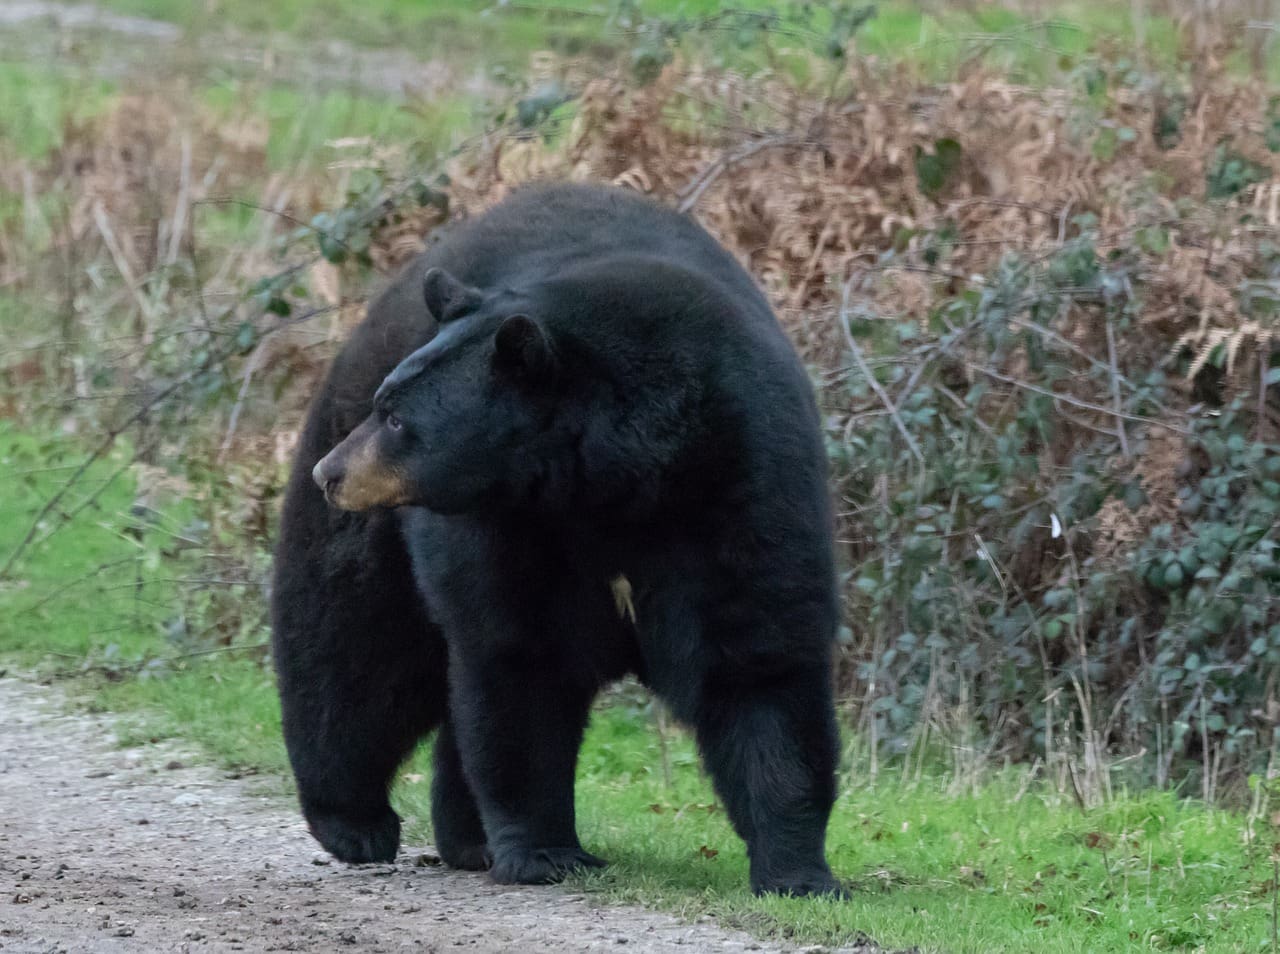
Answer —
(605, 389)
(458, 417)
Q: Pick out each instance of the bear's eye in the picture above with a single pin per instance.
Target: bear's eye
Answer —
(393, 422)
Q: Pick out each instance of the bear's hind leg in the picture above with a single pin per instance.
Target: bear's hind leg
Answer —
(346, 737)
(459, 832)
(770, 746)
(344, 756)
(360, 671)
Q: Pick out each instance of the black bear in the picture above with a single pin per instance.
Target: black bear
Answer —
(570, 442)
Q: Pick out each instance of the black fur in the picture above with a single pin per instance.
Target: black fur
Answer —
(610, 395)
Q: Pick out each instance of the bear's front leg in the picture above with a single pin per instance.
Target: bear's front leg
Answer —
(519, 723)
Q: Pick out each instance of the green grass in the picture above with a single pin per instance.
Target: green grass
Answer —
(38, 99)
(301, 125)
(94, 608)
(36, 104)
(228, 707)
(438, 29)
(976, 872)
(1011, 867)
(936, 39)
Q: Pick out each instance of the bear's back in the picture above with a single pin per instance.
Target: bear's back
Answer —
(542, 230)
(537, 233)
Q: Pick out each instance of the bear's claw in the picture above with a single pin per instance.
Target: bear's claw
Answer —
(802, 885)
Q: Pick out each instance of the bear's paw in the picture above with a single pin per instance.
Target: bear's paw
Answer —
(540, 865)
(357, 840)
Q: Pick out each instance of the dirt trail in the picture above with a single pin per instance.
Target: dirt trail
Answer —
(104, 849)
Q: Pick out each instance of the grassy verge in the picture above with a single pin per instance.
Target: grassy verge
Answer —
(36, 105)
(451, 27)
(300, 125)
(999, 862)
(1000, 866)
(1030, 42)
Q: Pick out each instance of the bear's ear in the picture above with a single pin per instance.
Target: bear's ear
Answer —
(446, 297)
(522, 347)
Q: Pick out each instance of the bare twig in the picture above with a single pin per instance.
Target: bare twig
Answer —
(277, 211)
(1115, 388)
(1074, 401)
(1001, 203)
(1071, 346)
(693, 190)
(663, 726)
(842, 319)
(180, 208)
(197, 580)
(241, 648)
(122, 265)
(1206, 779)
(144, 663)
(96, 571)
(250, 367)
(1275, 906)
(1263, 357)
(1062, 221)
(958, 401)
(93, 497)
(942, 348)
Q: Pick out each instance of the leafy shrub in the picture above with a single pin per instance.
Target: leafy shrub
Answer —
(1005, 555)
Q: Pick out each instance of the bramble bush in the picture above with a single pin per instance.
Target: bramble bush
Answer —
(984, 569)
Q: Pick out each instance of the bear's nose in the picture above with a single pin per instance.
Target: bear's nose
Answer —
(325, 480)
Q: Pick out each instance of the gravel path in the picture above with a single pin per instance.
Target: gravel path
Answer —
(104, 849)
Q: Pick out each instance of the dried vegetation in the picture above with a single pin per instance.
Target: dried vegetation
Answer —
(1042, 322)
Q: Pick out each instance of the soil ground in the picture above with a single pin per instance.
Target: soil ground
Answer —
(110, 849)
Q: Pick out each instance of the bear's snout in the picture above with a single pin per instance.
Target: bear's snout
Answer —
(326, 476)
(356, 476)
